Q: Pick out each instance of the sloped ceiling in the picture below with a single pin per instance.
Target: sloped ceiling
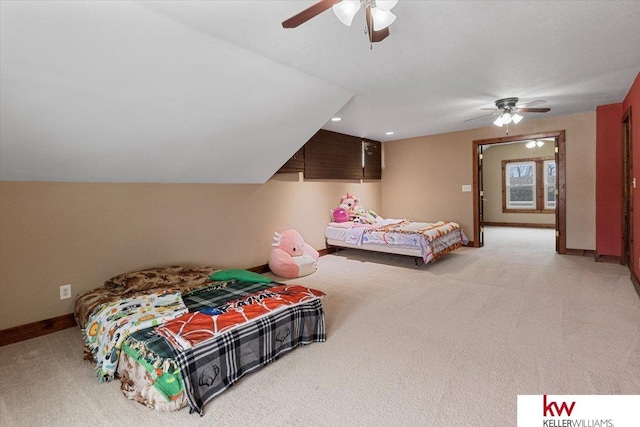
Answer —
(219, 92)
(112, 91)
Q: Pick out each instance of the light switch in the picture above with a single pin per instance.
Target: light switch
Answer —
(466, 188)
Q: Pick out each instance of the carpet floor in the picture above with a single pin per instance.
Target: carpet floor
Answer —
(446, 344)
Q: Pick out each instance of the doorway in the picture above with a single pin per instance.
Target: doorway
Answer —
(478, 193)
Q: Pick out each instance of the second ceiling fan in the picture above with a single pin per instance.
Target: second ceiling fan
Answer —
(377, 13)
(508, 109)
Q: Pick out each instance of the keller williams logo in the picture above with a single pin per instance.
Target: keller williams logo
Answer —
(548, 408)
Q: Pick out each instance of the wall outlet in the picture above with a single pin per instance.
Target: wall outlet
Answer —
(466, 188)
(65, 292)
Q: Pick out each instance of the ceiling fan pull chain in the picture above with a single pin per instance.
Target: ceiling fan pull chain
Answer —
(369, 19)
(366, 32)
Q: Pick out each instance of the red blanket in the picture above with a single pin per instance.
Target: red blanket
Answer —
(193, 328)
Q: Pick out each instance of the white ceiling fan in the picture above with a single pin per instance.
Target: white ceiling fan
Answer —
(378, 15)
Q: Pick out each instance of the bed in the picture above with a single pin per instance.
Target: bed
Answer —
(178, 337)
(428, 241)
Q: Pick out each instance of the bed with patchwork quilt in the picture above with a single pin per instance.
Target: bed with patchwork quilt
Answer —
(177, 337)
(425, 240)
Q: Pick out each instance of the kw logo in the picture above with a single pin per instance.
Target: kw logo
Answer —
(548, 408)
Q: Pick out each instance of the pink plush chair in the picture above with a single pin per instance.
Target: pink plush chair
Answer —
(291, 257)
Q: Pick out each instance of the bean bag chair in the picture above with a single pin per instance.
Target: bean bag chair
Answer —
(291, 257)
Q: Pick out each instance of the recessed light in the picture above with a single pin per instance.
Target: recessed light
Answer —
(389, 133)
(335, 119)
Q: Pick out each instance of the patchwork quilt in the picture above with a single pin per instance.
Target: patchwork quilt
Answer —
(189, 346)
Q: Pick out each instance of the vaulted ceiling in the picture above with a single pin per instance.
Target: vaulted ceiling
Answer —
(219, 92)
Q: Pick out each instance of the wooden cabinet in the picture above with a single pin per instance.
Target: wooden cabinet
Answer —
(333, 155)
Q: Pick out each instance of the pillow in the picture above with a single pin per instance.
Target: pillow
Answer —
(242, 275)
(160, 278)
(348, 224)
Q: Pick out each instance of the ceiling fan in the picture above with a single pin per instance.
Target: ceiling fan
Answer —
(508, 109)
(377, 13)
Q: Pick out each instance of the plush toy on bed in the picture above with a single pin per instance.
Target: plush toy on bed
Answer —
(366, 216)
(340, 214)
(349, 202)
(357, 212)
(291, 257)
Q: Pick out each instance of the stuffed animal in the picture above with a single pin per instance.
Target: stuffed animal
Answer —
(357, 212)
(365, 216)
(291, 256)
(340, 214)
(349, 203)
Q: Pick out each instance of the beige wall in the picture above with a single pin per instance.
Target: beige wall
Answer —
(492, 179)
(422, 177)
(54, 233)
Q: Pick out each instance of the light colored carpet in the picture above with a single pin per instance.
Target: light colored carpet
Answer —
(447, 344)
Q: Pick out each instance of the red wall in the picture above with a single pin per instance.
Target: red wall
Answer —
(609, 180)
(632, 101)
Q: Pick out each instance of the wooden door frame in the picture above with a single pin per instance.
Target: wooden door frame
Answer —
(627, 192)
(561, 214)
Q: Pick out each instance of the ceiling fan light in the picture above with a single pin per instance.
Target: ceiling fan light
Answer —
(386, 4)
(516, 118)
(530, 144)
(381, 18)
(506, 118)
(346, 10)
(498, 122)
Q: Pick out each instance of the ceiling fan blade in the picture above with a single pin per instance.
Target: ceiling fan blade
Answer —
(378, 36)
(374, 36)
(310, 12)
(479, 117)
(533, 110)
(529, 104)
(490, 109)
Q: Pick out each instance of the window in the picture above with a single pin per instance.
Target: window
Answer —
(521, 185)
(549, 184)
(529, 185)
